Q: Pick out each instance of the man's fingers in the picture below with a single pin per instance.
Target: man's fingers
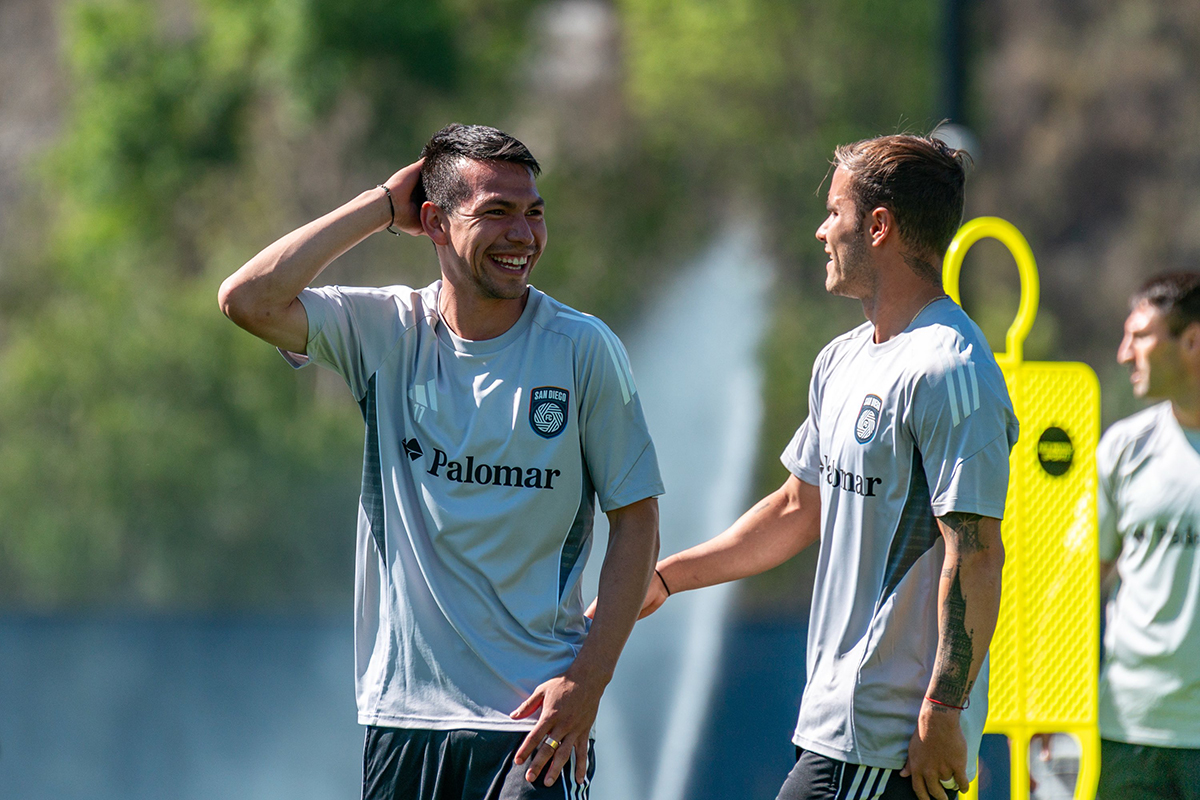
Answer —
(933, 786)
(960, 777)
(540, 756)
(532, 704)
(559, 760)
(543, 753)
(581, 760)
(527, 746)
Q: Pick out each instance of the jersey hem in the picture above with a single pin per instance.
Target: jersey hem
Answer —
(850, 757)
(430, 724)
(1151, 739)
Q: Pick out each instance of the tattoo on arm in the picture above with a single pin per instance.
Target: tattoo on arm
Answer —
(965, 528)
(952, 682)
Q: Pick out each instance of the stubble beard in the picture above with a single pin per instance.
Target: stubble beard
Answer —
(853, 276)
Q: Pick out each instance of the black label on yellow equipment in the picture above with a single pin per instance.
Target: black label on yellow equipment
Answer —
(1055, 451)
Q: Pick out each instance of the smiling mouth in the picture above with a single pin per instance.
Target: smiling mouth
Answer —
(511, 263)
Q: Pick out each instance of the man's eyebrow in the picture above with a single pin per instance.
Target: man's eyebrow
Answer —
(501, 202)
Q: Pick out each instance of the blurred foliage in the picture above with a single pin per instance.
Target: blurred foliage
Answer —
(152, 454)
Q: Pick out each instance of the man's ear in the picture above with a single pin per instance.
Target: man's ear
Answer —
(1189, 342)
(435, 223)
(883, 226)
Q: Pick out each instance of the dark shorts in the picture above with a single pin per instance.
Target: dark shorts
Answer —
(409, 764)
(1147, 772)
(819, 778)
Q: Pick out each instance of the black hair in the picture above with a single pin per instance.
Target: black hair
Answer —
(1175, 295)
(442, 182)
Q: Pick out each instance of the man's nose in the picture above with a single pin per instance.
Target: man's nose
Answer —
(1125, 350)
(520, 231)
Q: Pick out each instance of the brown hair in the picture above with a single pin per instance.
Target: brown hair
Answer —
(920, 179)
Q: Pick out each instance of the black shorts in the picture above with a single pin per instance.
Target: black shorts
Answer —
(411, 764)
(1147, 772)
(816, 777)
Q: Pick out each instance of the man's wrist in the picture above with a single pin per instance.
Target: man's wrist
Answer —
(944, 707)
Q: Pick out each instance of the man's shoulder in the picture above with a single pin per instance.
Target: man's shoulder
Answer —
(947, 343)
(402, 298)
(842, 344)
(1131, 437)
(559, 318)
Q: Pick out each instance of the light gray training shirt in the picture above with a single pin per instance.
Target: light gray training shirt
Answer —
(1150, 523)
(897, 434)
(482, 466)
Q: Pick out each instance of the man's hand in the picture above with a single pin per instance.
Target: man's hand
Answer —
(568, 709)
(936, 752)
(402, 185)
(656, 595)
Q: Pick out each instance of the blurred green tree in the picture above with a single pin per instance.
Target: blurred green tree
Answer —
(151, 454)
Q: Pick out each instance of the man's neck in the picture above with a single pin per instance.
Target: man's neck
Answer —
(477, 318)
(893, 309)
(1187, 412)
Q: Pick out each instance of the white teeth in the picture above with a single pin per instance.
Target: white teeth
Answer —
(511, 261)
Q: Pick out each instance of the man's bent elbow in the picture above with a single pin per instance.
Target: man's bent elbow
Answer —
(238, 303)
(228, 299)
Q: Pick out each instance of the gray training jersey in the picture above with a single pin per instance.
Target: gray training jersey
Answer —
(1150, 522)
(482, 466)
(897, 434)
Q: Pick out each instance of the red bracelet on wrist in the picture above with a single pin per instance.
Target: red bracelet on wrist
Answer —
(947, 705)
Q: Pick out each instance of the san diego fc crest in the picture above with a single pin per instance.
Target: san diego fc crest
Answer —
(548, 410)
(868, 419)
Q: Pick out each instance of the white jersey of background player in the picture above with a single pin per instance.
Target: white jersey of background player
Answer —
(1149, 507)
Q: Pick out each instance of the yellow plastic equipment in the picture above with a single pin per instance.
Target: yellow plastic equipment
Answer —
(1046, 647)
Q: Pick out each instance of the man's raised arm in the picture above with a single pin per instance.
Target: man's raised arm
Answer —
(262, 296)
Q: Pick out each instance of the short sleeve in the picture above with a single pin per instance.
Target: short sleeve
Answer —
(802, 456)
(351, 330)
(1106, 498)
(617, 447)
(962, 421)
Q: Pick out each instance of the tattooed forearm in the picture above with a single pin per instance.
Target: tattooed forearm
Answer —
(956, 650)
(965, 529)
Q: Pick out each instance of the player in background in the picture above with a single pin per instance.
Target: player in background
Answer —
(495, 418)
(1149, 530)
(900, 470)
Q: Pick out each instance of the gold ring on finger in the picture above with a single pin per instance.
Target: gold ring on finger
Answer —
(551, 742)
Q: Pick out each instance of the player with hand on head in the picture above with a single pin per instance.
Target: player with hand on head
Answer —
(496, 418)
(901, 471)
(1149, 507)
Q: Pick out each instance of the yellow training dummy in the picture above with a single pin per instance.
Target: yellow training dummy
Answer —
(1045, 651)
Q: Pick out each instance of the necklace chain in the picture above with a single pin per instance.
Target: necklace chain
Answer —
(931, 302)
